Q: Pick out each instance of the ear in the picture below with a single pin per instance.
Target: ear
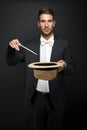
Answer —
(38, 24)
(54, 23)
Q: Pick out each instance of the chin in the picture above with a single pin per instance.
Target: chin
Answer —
(46, 34)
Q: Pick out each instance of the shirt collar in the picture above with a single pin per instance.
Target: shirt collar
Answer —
(50, 41)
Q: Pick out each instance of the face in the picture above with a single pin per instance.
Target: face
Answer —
(46, 24)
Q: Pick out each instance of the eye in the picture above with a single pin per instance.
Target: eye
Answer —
(50, 21)
(42, 21)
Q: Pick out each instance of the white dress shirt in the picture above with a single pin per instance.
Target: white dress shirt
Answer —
(45, 55)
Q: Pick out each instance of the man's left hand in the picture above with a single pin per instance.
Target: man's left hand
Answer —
(62, 65)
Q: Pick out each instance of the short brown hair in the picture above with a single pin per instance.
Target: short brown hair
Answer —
(45, 11)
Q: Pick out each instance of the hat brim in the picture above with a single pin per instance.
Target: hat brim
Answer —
(43, 65)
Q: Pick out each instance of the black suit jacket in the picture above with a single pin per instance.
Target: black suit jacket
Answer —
(61, 50)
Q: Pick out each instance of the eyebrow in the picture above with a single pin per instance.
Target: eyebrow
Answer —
(43, 20)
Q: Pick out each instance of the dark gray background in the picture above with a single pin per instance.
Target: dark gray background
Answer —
(18, 19)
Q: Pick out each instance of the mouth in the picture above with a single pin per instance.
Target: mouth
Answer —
(46, 30)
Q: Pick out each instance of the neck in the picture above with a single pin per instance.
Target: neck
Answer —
(47, 36)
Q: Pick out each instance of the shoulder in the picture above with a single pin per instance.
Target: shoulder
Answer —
(62, 42)
(32, 42)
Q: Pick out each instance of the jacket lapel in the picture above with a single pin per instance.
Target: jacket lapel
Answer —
(37, 50)
(54, 51)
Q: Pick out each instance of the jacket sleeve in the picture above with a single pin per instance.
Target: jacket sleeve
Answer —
(70, 68)
(14, 57)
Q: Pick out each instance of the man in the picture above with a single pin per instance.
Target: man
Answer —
(47, 97)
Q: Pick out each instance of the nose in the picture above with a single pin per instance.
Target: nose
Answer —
(46, 24)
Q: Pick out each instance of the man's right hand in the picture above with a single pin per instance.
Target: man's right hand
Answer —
(15, 44)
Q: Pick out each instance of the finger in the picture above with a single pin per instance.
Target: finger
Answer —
(11, 44)
(59, 69)
(60, 61)
(59, 64)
